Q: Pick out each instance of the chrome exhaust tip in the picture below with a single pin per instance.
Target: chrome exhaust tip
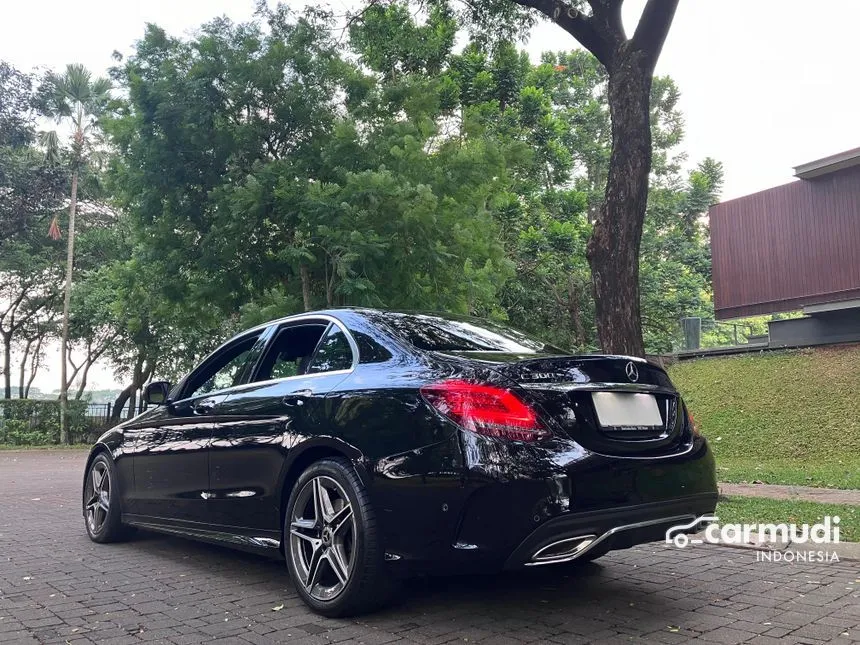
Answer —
(571, 548)
(563, 550)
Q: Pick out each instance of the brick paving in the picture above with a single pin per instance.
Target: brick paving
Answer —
(805, 493)
(58, 587)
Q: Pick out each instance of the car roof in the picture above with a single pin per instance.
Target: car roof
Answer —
(344, 313)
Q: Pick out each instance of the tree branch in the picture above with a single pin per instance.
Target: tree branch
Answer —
(12, 309)
(576, 24)
(607, 13)
(653, 28)
(352, 19)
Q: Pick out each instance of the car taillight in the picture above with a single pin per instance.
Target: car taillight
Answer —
(485, 409)
(693, 427)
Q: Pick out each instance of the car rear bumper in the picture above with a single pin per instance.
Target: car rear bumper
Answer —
(573, 535)
(514, 500)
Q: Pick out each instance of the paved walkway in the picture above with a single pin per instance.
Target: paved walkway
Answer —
(58, 587)
(805, 493)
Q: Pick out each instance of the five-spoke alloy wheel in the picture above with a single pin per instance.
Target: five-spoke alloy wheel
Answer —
(98, 502)
(323, 537)
(101, 504)
(333, 553)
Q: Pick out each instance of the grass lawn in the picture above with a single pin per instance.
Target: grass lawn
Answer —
(790, 417)
(753, 510)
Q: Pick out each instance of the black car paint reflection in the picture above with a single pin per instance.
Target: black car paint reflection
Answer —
(447, 498)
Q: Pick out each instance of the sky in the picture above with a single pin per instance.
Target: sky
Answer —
(765, 85)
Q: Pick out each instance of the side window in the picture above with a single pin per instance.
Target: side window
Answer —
(290, 352)
(334, 353)
(223, 372)
(369, 350)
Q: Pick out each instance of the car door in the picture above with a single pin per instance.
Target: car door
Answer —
(170, 449)
(304, 360)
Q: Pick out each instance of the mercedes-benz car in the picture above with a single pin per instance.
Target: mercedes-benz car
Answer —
(364, 446)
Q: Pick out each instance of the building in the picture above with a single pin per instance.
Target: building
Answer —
(794, 247)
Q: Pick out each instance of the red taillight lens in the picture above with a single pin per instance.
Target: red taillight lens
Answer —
(485, 409)
(693, 427)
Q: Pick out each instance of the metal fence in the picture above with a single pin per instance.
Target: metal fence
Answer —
(34, 421)
(98, 415)
(699, 333)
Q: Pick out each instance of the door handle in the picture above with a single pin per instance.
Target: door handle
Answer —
(297, 398)
(205, 406)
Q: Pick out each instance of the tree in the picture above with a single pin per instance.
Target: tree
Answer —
(30, 192)
(31, 351)
(675, 276)
(313, 182)
(17, 126)
(29, 188)
(613, 249)
(73, 97)
(29, 271)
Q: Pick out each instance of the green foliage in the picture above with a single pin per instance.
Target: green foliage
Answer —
(30, 192)
(27, 422)
(675, 274)
(391, 43)
(79, 99)
(17, 126)
(309, 204)
(269, 167)
(765, 422)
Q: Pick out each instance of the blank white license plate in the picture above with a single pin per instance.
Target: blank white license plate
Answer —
(626, 409)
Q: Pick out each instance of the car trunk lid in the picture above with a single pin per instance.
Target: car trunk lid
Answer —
(613, 405)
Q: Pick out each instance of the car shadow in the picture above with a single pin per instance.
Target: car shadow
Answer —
(575, 591)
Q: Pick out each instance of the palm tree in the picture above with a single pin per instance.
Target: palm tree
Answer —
(76, 99)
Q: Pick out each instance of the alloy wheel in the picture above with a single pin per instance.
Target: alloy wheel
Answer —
(98, 500)
(323, 538)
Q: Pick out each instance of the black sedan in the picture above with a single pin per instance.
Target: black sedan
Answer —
(369, 445)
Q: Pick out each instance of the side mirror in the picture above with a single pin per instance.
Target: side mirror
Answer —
(156, 393)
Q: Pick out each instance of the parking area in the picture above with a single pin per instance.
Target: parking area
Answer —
(58, 587)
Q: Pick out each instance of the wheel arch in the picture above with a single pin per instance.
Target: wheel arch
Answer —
(95, 451)
(308, 452)
(110, 443)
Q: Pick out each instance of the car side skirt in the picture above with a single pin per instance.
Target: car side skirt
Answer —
(262, 542)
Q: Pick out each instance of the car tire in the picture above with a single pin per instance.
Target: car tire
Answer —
(101, 502)
(332, 542)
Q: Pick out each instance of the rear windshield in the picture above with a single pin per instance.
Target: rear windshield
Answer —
(437, 334)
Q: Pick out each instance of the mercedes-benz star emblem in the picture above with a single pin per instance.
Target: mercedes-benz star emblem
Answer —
(632, 372)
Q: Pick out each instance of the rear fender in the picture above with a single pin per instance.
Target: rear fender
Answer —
(303, 452)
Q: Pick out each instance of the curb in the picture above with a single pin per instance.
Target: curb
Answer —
(849, 496)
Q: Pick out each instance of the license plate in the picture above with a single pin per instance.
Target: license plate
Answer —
(618, 409)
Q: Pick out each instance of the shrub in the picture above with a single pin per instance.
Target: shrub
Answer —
(26, 422)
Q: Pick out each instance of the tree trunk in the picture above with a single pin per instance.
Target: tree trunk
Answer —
(573, 311)
(35, 363)
(67, 296)
(129, 394)
(70, 378)
(132, 403)
(306, 287)
(83, 384)
(120, 402)
(22, 369)
(329, 286)
(613, 250)
(7, 366)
